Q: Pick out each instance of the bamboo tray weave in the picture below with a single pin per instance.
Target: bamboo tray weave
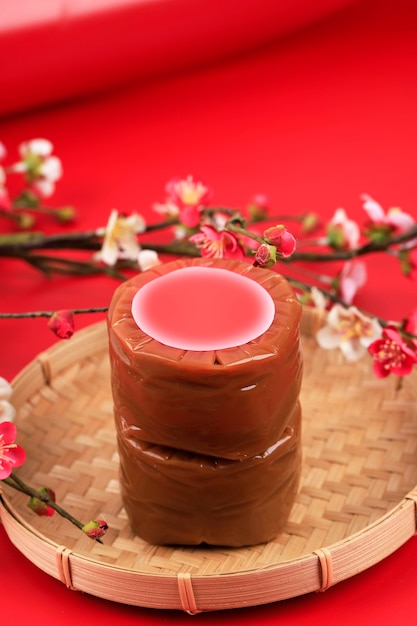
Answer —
(356, 503)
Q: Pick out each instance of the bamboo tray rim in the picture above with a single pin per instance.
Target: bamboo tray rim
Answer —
(195, 592)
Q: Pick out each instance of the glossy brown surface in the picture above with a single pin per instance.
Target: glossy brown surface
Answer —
(174, 497)
(230, 403)
(209, 442)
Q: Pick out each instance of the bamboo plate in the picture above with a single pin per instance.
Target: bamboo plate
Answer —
(356, 503)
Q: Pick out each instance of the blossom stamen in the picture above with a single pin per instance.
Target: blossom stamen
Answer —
(392, 354)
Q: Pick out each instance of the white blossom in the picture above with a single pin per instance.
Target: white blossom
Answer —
(350, 330)
(120, 240)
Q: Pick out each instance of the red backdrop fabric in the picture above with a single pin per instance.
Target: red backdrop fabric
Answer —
(313, 119)
(58, 49)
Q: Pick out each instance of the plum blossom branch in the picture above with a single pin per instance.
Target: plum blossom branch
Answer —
(42, 501)
(38, 171)
(34, 314)
(367, 248)
(198, 227)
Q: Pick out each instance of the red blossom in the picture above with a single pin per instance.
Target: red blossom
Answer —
(40, 505)
(279, 237)
(62, 324)
(392, 355)
(11, 454)
(217, 244)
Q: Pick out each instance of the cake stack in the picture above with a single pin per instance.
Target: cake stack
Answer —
(209, 440)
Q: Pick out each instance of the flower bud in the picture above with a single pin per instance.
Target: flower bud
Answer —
(283, 240)
(62, 324)
(25, 220)
(66, 214)
(310, 223)
(265, 256)
(258, 207)
(40, 505)
(95, 529)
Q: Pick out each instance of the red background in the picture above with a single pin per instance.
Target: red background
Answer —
(312, 109)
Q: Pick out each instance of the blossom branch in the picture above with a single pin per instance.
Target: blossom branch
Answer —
(42, 501)
(17, 483)
(200, 228)
(234, 227)
(35, 314)
(333, 297)
(367, 248)
(16, 244)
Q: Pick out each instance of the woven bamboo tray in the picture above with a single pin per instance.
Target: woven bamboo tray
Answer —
(356, 504)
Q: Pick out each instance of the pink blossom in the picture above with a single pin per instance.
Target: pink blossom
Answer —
(350, 330)
(217, 244)
(384, 224)
(352, 277)
(95, 529)
(395, 218)
(279, 237)
(392, 355)
(40, 505)
(343, 233)
(11, 454)
(62, 324)
(187, 191)
(190, 196)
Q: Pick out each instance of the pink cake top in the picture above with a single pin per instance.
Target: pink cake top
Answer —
(203, 308)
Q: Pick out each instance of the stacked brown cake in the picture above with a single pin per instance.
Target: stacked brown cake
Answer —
(209, 441)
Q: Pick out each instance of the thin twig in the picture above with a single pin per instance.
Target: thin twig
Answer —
(34, 314)
(16, 483)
